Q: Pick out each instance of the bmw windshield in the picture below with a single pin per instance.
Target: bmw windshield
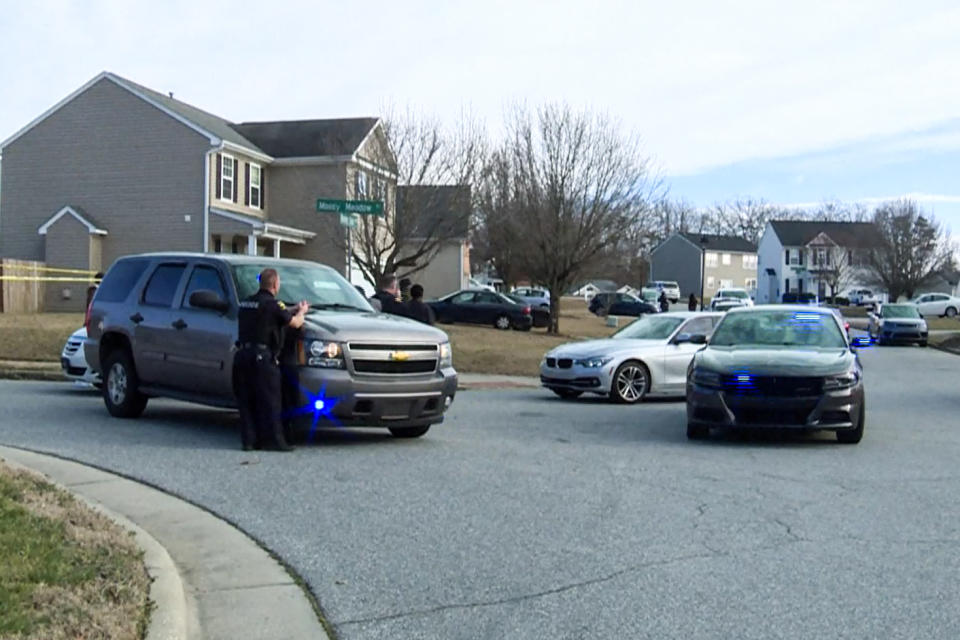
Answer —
(779, 328)
(321, 287)
(649, 328)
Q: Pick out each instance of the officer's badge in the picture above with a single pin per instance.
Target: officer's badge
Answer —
(282, 306)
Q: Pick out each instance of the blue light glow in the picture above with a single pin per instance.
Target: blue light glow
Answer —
(741, 381)
(319, 405)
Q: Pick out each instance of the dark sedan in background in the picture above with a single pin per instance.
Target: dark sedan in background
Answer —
(777, 366)
(476, 306)
(540, 314)
(620, 304)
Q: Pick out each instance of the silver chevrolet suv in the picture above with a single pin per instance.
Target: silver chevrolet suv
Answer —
(165, 324)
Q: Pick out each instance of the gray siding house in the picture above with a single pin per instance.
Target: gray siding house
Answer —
(438, 219)
(117, 168)
(725, 261)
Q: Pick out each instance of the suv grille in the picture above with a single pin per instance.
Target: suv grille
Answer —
(393, 359)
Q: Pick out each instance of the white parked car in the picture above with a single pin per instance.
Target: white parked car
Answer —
(534, 296)
(730, 297)
(74, 362)
(647, 357)
(861, 297)
(475, 284)
(670, 287)
(937, 304)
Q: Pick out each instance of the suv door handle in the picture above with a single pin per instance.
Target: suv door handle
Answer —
(179, 324)
(136, 318)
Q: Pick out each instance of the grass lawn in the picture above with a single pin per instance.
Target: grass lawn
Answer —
(66, 571)
(36, 336)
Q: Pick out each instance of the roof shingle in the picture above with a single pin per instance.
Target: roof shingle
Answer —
(857, 235)
(722, 243)
(308, 138)
(433, 210)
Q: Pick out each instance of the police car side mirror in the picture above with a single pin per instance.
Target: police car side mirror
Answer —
(207, 299)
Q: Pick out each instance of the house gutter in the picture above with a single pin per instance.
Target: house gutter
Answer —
(206, 197)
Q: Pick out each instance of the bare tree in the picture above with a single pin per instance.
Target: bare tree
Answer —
(496, 237)
(577, 184)
(747, 217)
(427, 154)
(913, 248)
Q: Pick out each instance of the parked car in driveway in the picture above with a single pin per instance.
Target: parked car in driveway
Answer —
(893, 323)
(730, 297)
(776, 366)
(483, 307)
(671, 288)
(861, 297)
(165, 324)
(539, 314)
(937, 304)
(620, 304)
(534, 296)
(74, 362)
(647, 357)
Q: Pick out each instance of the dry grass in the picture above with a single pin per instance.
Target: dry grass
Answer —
(66, 571)
(39, 336)
(479, 349)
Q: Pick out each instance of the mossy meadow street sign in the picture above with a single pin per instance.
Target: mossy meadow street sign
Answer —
(362, 207)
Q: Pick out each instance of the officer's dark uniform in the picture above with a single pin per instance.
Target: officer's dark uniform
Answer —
(389, 304)
(256, 373)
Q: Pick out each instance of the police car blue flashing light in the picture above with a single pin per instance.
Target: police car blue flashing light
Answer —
(318, 405)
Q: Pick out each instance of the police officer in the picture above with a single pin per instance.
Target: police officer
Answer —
(256, 373)
(387, 296)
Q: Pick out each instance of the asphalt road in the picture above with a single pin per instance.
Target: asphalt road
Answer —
(528, 517)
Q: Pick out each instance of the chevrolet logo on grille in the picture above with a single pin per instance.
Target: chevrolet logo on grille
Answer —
(399, 356)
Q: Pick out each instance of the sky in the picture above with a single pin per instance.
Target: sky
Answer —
(793, 103)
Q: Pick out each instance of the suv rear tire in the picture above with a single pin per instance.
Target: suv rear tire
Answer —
(409, 432)
(121, 392)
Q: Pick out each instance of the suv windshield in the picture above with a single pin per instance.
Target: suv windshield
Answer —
(649, 328)
(899, 311)
(805, 329)
(318, 285)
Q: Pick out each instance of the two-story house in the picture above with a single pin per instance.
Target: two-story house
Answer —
(723, 261)
(116, 168)
(804, 256)
(436, 224)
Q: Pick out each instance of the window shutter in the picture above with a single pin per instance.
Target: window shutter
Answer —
(219, 181)
(263, 188)
(802, 260)
(246, 184)
(236, 165)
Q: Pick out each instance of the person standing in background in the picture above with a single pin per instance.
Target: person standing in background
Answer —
(417, 308)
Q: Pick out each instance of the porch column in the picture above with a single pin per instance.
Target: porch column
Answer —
(251, 245)
(276, 248)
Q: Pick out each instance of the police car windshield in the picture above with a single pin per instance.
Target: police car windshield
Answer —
(321, 287)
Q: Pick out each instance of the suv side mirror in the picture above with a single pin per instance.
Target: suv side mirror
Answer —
(207, 299)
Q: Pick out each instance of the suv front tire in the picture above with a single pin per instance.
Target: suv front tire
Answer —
(121, 392)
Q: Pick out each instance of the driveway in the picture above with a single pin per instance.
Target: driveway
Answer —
(528, 517)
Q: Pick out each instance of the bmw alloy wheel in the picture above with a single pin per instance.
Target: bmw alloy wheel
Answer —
(117, 383)
(630, 383)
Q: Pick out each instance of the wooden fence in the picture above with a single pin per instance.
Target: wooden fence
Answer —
(22, 295)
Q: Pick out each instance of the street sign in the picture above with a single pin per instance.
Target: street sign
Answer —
(362, 207)
(348, 220)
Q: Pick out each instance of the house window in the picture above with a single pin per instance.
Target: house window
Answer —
(749, 262)
(711, 259)
(360, 186)
(793, 257)
(217, 244)
(786, 285)
(227, 165)
(256, 175)
(726, 259)
(726, 284)
(750, 283)
(711, 282)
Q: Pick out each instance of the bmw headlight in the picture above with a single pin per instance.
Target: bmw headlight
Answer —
(593, 363)
(446, 355)
(323, 354)
(842, 381)
(705, 378)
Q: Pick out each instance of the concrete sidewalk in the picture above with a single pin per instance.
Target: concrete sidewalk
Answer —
(210, 580)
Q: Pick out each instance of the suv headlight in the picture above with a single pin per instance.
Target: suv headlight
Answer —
(446, 355)
(322, 354)
(593, 363)
(706, 378)
(842, 381)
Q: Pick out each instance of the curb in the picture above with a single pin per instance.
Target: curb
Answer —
(230, 586)
(167, 599)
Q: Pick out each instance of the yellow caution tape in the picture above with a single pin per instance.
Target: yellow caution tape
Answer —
(47, 279)
(24, 267)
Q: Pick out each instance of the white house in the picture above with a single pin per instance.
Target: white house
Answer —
(589, 289)
(804, 256)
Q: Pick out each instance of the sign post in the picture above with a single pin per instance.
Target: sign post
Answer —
(349, 210)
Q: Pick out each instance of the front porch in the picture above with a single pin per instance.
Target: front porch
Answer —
(234, 233)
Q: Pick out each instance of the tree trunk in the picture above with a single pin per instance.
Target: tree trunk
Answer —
(555, 295)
